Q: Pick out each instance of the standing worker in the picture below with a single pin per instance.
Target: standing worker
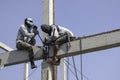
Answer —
(26, 39)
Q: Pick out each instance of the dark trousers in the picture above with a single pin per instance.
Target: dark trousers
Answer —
(62, 39)
(25, 46)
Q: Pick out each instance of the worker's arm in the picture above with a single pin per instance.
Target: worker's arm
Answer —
(35, 31)
(63, 30)
(26, 33)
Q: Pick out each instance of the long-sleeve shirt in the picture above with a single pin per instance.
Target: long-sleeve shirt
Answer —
(57, 31)
(24, 34)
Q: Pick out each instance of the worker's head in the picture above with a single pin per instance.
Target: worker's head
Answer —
(46, 28)
(28, 22)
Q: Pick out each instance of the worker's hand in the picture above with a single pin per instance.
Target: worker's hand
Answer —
(35, 32)
(34, 27)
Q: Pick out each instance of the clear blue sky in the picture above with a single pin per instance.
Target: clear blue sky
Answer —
(83, 17)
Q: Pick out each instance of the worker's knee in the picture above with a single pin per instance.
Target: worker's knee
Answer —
(62, 40)
(23, 46)
(18, 46)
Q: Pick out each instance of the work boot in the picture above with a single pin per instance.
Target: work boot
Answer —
(33, 65)
(31, 58)
(57, 62)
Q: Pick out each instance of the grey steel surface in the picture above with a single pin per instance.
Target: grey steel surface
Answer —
(82, 45)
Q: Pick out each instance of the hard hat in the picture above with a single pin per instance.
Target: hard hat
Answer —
(28, 22)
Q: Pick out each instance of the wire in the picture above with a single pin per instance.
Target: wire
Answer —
(32, 72)
(75, 68)
(70, 70)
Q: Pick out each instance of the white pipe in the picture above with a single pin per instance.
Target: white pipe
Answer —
(26, 71)
(63, 69)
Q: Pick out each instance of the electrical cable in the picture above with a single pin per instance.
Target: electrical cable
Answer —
(32, 72)
(70, 70)
(75, 68)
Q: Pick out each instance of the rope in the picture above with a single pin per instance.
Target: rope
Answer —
(75, 68)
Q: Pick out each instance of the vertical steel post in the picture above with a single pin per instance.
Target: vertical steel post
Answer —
(48, 70)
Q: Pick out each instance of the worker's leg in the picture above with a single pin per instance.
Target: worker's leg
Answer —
(23, 46)
(62, 39)
(31, 58)
(28, 47)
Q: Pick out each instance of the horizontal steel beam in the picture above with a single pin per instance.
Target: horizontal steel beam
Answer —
(81, 45)
(18, 56)
(91, 43)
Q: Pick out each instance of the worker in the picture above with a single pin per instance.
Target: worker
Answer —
(56, 35)
(26, 39)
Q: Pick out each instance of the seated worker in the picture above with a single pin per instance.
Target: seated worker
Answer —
(25, 39)
(56, 35)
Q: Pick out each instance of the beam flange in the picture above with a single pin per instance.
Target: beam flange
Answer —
(5, 47)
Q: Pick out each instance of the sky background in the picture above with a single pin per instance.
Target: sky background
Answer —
(82, 17)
